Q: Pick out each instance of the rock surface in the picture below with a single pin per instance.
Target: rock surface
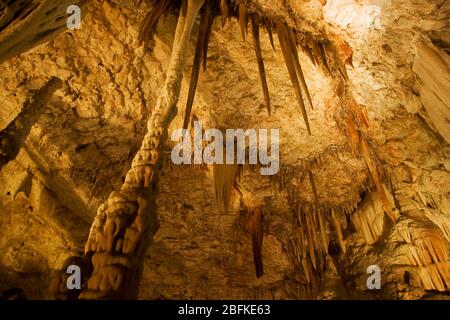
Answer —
(82, 146)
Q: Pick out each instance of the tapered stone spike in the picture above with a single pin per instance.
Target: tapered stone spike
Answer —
(243, 20)
(307, 50)
(224, 11)
(207, 38)
(262, 72)
(151, 20)
(298, 68)
(316, 52)
(255, 228)
(376, 177)
(313, 186)
(224, 178)
(205, 24)
(311, 245)
(268, 25)
(323, 233)
(288, 57)
(323, 55)
(337, 228)
(304, 249)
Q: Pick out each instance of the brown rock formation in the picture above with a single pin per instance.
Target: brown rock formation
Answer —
(361, 103)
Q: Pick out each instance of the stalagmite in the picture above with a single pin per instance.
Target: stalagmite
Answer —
(85, 144)
(126, 222)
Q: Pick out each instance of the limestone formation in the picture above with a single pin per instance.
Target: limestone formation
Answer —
(126, 223)
(357, 89)
(254, 226)
(13, 136)
(26, 24)
(432, 67)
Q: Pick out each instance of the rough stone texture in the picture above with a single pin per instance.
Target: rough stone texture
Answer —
(83, 144)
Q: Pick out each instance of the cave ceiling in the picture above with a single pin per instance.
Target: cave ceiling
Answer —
(364, 168)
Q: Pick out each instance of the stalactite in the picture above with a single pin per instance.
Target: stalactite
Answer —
(304, 249)
(243, 20)
(14, 135)
(206, 43)
(151, 20)
(323, 233)
(201, 49)
(310, 231)
(353, 122)
(292, 42)
(427, 247)
(338, 230)
(268, 24)
(225, 11)
(368, 218)
(254, 226)
(314, 188)
(288, 54)
(309, 244)
(224, 179)
(255, 19)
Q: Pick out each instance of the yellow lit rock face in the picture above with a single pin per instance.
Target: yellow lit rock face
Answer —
(315, 244)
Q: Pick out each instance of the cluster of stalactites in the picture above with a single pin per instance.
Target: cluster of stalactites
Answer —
(320, 51)
(426, 245)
